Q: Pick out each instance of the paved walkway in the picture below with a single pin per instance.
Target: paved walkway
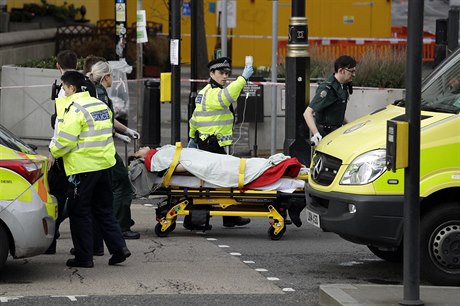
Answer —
(373, 295)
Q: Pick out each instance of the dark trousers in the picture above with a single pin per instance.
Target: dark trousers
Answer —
(122, 194)
(59, 187)
(94, 196)
(211, 144)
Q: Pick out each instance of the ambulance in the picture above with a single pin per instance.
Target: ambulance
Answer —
(352, 193)
(27, 211)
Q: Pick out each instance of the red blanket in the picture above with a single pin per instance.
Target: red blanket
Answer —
(289, 167)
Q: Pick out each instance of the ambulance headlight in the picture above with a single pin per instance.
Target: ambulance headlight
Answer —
(365, 169)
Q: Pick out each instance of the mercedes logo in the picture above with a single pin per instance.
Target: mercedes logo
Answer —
(317, 168)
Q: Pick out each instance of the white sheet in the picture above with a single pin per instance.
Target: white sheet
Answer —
(219, 169)
(287, 185)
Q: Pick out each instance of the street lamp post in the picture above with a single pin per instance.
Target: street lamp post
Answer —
(297, 85)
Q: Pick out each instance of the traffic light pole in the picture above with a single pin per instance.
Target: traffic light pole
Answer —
(297, 85)
(411, 236)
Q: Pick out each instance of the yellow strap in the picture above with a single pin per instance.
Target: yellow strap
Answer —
(241, 173)
(173, 165)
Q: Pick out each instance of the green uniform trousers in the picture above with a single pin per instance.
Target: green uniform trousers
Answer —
(122, 194)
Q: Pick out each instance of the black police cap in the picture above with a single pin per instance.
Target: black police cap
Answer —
(221, 63)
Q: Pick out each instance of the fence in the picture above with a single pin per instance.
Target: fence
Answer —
(330, 49)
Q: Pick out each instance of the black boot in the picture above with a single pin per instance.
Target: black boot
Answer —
(119, 256)
(235, 221)
(73, 262)
(295, 208)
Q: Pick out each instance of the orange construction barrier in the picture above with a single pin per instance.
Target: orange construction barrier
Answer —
(329, 49)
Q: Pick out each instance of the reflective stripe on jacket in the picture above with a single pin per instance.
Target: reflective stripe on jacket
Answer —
(212, 115)
(84, 138)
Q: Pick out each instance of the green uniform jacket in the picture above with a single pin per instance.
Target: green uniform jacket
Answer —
(329, 104)
(212, 115)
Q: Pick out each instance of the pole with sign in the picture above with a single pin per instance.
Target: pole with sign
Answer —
(120, 28)
(174, 48)
(141, 36)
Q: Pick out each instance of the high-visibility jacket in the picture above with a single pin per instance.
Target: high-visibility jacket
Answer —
(61, 104)
(212, 115)
(84, 139)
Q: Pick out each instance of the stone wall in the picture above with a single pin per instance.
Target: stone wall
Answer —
(19, 47)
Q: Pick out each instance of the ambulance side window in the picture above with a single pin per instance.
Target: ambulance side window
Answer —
(442, 92)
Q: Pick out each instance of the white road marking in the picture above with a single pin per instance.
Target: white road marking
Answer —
(261, 270)
(211, 239)
(6, 299)
(249, 261)
(273, 278)
(235, 254)
(73, 298)
(288, 290)
(223, 246)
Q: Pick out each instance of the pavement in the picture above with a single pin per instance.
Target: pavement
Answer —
(179, 264)
(330, 294)
(373, 295)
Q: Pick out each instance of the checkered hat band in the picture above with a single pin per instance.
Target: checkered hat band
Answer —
(220, 66)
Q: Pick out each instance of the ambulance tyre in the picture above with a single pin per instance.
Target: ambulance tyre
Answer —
(387, 255)
(273, 236)
(4, 246)
(440, 241)
(166, 232)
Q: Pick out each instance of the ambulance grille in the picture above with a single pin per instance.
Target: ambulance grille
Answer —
(324, 168)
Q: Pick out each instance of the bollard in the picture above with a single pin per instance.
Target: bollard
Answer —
(151, 125)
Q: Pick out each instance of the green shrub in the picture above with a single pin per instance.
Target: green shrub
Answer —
(373, 70)
(61, 13)
(49, 63)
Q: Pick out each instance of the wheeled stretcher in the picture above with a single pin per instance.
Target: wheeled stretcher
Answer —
(198, 200)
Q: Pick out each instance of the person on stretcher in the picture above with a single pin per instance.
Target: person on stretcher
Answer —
(223, 170)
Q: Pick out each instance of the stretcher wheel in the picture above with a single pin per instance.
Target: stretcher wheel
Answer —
(166, 232)
(273, 236)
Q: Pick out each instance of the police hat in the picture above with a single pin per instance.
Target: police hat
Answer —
(221, 63)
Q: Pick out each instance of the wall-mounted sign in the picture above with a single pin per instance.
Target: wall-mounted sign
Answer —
(348, 19)
(231, 13)
(186, 9)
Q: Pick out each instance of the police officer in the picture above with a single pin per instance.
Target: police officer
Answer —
(59, 186)
(326, 111)
(211, 125)
(84, 141)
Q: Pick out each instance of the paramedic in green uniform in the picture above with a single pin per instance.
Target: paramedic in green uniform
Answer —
(326, 111)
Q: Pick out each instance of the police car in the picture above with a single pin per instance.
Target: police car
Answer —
(27, 210)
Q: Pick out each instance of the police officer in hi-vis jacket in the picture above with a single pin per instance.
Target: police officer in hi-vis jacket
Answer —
(211, 125)
(84, 141)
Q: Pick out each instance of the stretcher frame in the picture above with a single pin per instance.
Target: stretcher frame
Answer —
(181, 201)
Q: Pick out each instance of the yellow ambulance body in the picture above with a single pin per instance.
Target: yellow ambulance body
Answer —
(351, 192)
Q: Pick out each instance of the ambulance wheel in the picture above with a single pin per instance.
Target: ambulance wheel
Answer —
(273, 236)
(166, 232)
(4, 246)
(440, 241)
